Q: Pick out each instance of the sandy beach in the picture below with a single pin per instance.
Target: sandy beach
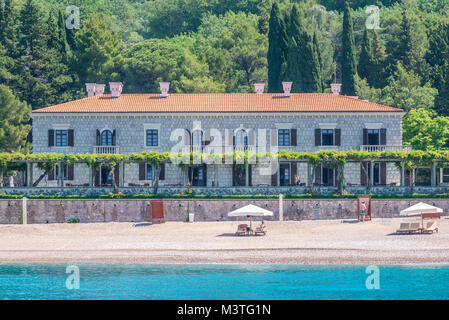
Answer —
(299, 242)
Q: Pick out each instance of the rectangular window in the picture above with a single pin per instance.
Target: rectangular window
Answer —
(327, 176)
(327, 137)
(284, 177)
(149, 173)
(446, 175)
(373, 137)
(66, 170)
(284, 137)
(61, 138)
(152, 138)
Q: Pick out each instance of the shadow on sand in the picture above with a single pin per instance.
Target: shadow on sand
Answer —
(144, 224)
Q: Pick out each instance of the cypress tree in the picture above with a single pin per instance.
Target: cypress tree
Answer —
(442, 99)
(63, 44)
(317, 51)
(404, 52)
(277, 50)
(348, 58)
(379, 58)
(303, 59)
(366, 60)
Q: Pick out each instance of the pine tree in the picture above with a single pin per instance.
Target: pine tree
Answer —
(366, 60)
(14, 118)
(8, 29)
(348, 59)
(277, 50)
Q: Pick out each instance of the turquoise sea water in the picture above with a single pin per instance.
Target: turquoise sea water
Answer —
(139, 281)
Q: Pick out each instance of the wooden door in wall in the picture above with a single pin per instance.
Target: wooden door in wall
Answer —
(157, 211)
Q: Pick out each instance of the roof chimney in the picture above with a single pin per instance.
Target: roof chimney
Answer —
(287, 88)
(336, 87)
(116, 89)
(164, 86)
(90, 88)
(99, 89)
(259, 87)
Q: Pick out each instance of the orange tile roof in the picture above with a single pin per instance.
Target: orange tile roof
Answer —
(218, 102)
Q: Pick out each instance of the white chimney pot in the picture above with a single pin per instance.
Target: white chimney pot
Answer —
(287, 88)
(164, 87)
(99, 89)
(116, 89)
(90, 88)
(259, 87)
(336, 88)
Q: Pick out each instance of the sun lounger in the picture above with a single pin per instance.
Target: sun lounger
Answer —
(407, 227)
(260, 231)
(242, 230)
(404, 227)
(431, 227)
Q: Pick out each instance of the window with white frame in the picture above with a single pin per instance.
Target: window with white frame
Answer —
(152, 137)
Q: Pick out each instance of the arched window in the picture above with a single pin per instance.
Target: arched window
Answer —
(106, 138)
(197, 138)
(241, 138)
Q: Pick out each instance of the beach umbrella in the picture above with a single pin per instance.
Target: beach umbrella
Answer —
(250, 211)
(419, 209)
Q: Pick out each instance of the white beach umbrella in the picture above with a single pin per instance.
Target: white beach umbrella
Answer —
(250, 211)
(419, 209)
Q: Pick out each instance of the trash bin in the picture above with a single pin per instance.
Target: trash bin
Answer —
(191, 217)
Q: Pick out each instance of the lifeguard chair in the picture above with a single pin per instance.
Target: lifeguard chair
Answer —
(367, 215)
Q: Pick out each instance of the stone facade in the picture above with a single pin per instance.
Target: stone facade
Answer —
(60, 211)
(130, 138)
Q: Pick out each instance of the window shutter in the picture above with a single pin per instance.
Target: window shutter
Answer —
(274, 142)
(162, 171)
(70, 137)
(207, 137)
(142, 171)
(114, 140)
(274, 179)
(51, 174)
(294, 167)
(317, 137)
(205, 175)
(70, 172)
(293, 135)
(365, 137)
(383, 173)
(51, 138)
(187, 138)
(251, 137)
(97, 177)
(318, 175)
(383, 137)
(98, 138)
(250, 175)
(363, 173)
(117, 174)
(338, 137)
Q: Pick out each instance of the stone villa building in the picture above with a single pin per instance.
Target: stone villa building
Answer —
(133, 123)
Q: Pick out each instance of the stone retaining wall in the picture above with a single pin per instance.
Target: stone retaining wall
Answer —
(59, 211)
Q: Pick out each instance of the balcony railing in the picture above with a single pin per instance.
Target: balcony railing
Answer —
(245, 148)
(376, 148)
(106, 149)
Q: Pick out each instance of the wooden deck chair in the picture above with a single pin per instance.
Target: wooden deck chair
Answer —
(242, 230)
(431, 227)
(404, 227)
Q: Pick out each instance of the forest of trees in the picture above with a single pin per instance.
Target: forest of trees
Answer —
(226, 46)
